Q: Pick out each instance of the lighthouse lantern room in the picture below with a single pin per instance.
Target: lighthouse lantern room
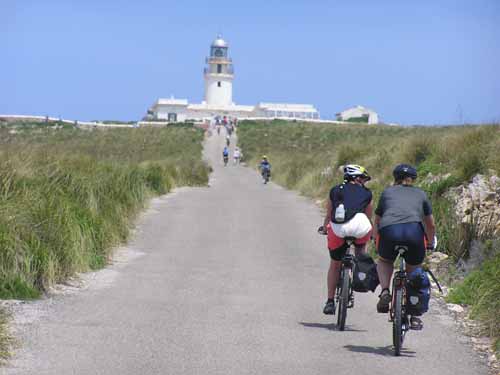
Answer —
(219, 75)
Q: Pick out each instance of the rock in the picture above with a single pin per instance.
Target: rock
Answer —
(455, 308)
(437, 257)
(495, 182)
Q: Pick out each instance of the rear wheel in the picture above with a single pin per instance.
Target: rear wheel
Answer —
(397, 323)
(343, 298)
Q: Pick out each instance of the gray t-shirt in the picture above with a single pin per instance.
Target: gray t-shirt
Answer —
(401, 204)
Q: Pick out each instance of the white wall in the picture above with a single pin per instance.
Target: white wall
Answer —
(163, 112)
(218, 96)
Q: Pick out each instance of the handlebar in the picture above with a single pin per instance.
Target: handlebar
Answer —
(322, 230)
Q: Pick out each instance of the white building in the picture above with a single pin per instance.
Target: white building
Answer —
(358, 113)
(219, 75)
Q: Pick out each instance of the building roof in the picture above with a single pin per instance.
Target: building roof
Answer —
(172, 101)
(287, 107)
(219, 42)
(357, 109)
(205, 106)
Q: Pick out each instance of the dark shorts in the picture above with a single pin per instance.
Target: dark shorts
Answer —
(339, 252)
(409, 234)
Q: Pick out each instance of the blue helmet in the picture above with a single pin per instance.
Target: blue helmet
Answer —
(404, 170)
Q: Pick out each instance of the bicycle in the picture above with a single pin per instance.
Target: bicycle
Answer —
(344, 293)
(398, 312)
(266, 173)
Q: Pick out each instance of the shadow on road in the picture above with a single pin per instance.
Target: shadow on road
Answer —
(381, 350)
(329, 326)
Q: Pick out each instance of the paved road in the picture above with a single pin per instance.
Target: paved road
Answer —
(230, 280)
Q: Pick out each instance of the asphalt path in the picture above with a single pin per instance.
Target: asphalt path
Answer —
(228, 279)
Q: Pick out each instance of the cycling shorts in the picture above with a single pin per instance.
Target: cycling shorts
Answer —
(411, 235)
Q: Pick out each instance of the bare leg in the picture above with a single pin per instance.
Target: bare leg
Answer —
(333, 277)
(360, 249)
(384, 268)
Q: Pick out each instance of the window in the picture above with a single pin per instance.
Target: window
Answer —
(219, 68)
(218, 84)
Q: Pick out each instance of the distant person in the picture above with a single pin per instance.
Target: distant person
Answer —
(403, 217)
(228, 140)
(348, 214)
(237, 156)
(225, 155)
(265, 168)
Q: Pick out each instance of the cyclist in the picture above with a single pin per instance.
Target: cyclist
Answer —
(265, 166)
(225, 155)
(403, 217)
(356, 201)
(236, 155)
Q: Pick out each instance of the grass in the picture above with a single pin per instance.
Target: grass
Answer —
(306, 157)
(68, 196)
(481, 291)
(5, 338)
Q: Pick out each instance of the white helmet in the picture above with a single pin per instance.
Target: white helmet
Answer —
(352, 171)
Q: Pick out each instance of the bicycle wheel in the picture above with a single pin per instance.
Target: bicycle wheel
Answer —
(343, 298)
(397, 323)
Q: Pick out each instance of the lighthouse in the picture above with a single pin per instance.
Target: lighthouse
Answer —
(219, 75)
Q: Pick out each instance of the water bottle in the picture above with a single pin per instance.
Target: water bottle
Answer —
(340, 213)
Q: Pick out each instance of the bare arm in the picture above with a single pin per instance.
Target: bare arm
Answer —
(328, 216)
(369, 211)
(430, 228)
(375, 227)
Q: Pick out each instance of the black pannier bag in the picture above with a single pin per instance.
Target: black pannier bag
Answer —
(418, 288)
(365, 276)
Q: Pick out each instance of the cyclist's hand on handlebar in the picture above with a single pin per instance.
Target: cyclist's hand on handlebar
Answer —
(322, 230)
(432, 246)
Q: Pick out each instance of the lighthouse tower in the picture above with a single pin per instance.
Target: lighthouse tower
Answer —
(219, 75)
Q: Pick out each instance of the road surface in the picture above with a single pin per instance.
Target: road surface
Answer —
(228, 279)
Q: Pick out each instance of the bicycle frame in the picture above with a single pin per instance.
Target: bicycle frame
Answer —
(344, 293)
(399, 289)
(347, 262)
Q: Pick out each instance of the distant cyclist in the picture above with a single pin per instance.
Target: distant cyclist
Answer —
(403, 217)
(225, 155)
(355, 201)
(265, 168)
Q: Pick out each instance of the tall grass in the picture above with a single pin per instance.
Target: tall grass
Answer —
(481, 290)
(305, 157)
(67, 196)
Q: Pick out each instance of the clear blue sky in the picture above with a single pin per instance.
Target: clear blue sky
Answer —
(423, 61)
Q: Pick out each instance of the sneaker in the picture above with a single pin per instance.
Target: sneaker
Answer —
(384, 301)
(329, 308)
(416, 323)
